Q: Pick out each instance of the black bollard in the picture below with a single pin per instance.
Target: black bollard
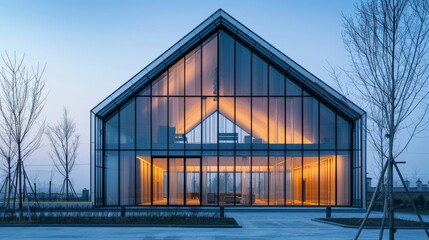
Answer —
(222, 211)
(328, 212)
(122, 211)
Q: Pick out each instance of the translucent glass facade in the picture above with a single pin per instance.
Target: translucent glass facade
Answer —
(225, 126)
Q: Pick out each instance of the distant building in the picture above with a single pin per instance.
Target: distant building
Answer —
(407, 184)
(419, 185)
(399, 191)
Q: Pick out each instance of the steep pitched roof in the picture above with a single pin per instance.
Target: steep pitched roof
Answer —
(220, 19)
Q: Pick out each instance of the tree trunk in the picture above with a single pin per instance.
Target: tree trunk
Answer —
(20, 181)
(50, 185)
(9, 183)
(67, 183)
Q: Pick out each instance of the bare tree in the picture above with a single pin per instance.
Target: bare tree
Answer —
(377, 130)
(387, 43)
(8, 154)
(64, 142)
(21, 102)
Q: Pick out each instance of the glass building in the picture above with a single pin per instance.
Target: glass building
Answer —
(224, 118)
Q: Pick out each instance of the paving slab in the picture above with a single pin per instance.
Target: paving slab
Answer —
(255, 225)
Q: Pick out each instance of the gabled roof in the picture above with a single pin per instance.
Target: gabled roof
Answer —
(220, 19)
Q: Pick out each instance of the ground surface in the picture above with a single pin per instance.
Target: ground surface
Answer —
(269, 223)
(373, 222)
(147, 220)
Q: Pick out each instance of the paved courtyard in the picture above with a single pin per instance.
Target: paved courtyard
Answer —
(259, 224)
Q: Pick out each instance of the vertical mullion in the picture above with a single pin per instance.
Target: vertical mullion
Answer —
(201, 181)
(318, 146)
(119, 156)
(168, 180)
(235, 125)
(351, 152)
(251, 130)
(184, 181)
(103, 165)
(92, 155)
(336, 159)
(201, 119)
(285, 147)
(168, 112)
(168, 136)
(184, 128)
(352, 169)
(361, 153)
(362, 171)
(268, 124)
(151, 180)
(135, 151)
(302, 151)
(151, 145)
(216, 93)
(184, 106)
(350, 147)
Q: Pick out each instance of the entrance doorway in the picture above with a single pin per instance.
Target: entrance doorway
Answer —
(176, 181)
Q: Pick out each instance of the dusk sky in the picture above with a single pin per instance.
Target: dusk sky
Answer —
(92, 47)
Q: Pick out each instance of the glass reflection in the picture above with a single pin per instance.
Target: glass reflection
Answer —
(127, 123)
(193, 73)
(159, 180)
(327, 178)
(226, 65)
(209, 62)
(143, 120)
(127, 178)
(143, 189)
(343, 178)
(311, 123)
(193, 174)
(112, 138)
(260, 180)
(277, 180)
(111, 178)
(242, 70)
(259, 76)
(226, 181)
(327, 124)
(176, 179)
(176, 80)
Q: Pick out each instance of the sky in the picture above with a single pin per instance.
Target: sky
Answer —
(92, 47)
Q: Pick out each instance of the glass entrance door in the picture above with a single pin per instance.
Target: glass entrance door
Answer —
(193, 181)
(176, 181)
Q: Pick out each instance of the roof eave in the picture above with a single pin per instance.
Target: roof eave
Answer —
(217, 20)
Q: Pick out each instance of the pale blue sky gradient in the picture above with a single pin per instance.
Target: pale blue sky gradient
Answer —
(93, 47)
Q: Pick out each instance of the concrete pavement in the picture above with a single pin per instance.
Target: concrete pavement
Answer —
(261, 224)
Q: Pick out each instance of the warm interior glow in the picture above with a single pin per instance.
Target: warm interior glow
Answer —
(304, 177)
(310, 177)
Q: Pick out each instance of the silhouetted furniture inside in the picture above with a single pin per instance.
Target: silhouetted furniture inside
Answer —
(246, 198)
(232, 199)
(211, 198)
(228, 137)
(180, 137)
(224, 198)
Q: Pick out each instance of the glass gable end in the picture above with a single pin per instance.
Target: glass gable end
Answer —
(224, 126)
